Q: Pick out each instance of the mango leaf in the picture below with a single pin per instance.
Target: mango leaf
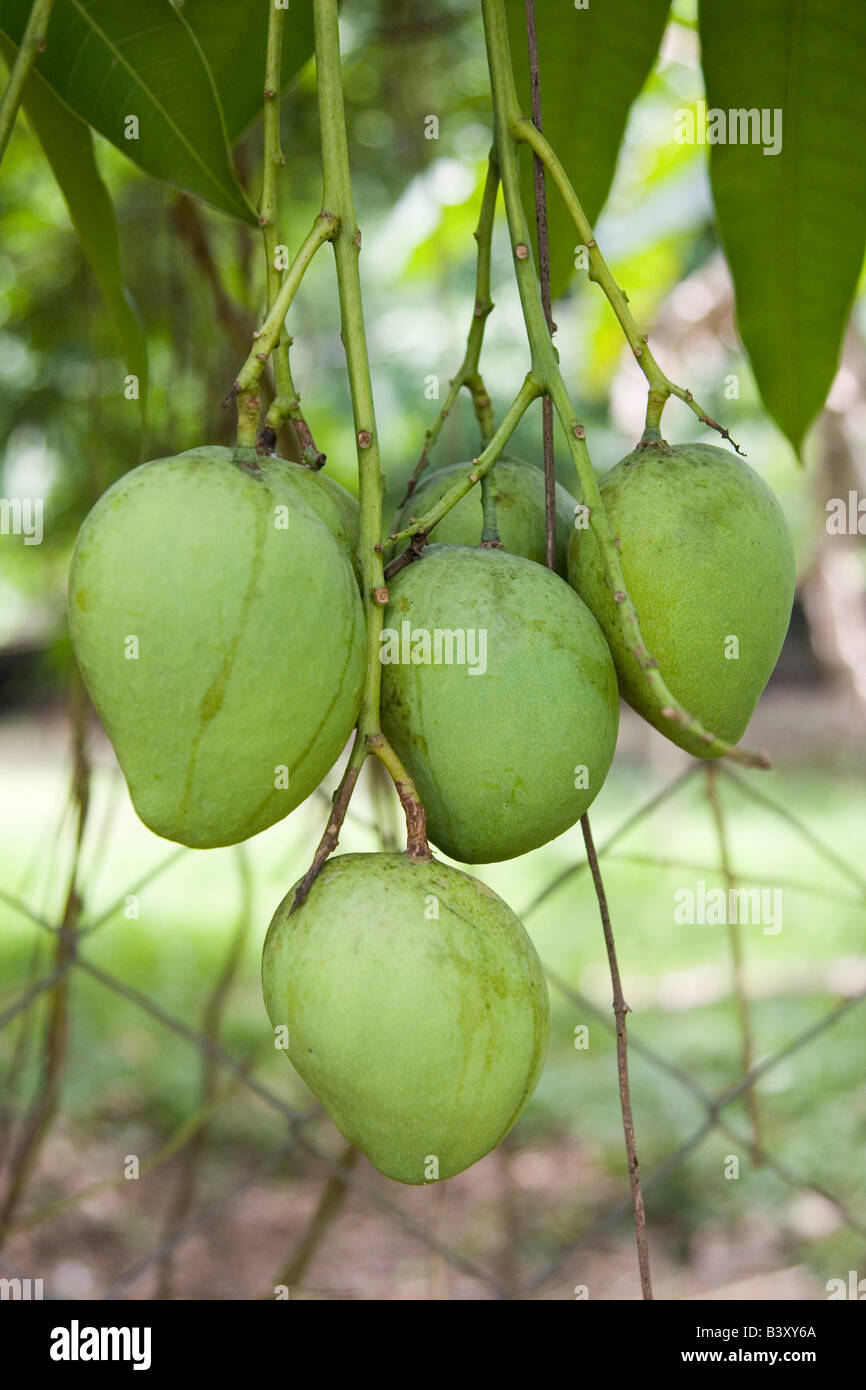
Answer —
(793, 223)
(592, 62)
(68, 146)
(111, 61)
(233, 38)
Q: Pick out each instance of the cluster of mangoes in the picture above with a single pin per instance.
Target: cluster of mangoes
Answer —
(216, 617)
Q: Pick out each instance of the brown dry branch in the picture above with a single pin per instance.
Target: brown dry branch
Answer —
(735, 938)
(44, 1104)
(621, 1009)
(328, 1206)
(185, 1189)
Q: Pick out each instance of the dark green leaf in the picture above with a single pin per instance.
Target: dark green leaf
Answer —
(234, 38)
(593, 62)
(110, 60)
(793, 223)
(68, 146)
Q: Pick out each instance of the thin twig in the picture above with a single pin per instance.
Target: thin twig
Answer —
(468, 373)
(735, 937)
(814, 841)
(475, 471)
(619, 1005)
(44, 1104)
(631, 821)
(32, 42)
(796, 885)
(330, 837)
(661, 388)
(544, 276)
(246, 387)
(18, 1062)
(184, 1192)
(621, 1009)
(331, 1200)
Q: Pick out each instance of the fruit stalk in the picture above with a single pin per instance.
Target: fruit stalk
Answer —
(246, 386)
(269, 205)
(286, 404)
(661, 388)
(421, 527)
(338, 205)
(490, 528)
(548, 379)
(468, 374)
(32, 42)
(541, 227)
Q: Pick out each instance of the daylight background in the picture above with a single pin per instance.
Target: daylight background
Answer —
(225, 1205)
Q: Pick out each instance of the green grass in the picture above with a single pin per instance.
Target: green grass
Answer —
(127, 1072)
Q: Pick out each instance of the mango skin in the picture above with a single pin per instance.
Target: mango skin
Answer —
(331, 502)
(250, 643)
(494, 755)
(520, 510)
(706, 554)
(416, 1006)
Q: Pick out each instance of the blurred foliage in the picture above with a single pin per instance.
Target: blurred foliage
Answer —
(68, 431)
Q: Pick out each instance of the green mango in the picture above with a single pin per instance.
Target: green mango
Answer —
(508, 756)
(416, 1008)
(707, 558)
(520, 514)
(220, 633)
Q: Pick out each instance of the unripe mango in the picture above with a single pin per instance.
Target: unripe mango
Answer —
(709, 565)
(519, 493)
(499, 694)
(220, 633)
(416, 1008)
